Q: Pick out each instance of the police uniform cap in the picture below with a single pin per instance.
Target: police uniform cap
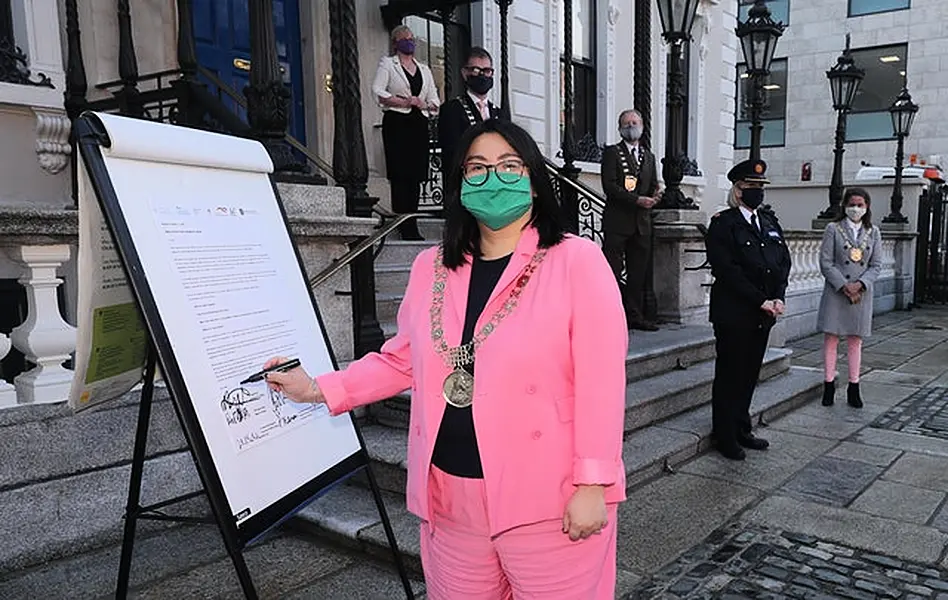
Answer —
(752, 171)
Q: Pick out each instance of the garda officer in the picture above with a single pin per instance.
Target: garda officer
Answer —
(750, 263)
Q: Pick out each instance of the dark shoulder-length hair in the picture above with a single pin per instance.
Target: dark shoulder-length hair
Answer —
(847, 195)
(461, 234)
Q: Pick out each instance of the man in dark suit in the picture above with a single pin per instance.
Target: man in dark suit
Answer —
(750, 263)
(630, 183)
(469, 108)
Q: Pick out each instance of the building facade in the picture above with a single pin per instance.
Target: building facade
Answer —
(896, 43)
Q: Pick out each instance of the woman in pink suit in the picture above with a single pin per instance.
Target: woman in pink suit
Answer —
(515, 467)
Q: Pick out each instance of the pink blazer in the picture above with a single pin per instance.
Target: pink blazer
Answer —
(549, 384)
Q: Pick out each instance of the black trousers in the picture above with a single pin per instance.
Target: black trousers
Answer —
(634, 251)
(740, 354)
(405, 195)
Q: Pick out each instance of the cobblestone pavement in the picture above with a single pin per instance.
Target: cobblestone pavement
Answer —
(924, 413)
(751, 562)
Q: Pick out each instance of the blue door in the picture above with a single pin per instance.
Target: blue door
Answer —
(222, 36)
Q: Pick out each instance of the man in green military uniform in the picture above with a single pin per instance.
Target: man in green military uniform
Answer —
(750, 263)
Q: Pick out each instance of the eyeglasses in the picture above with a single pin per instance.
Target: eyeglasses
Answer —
(487, 71)
(510, 170)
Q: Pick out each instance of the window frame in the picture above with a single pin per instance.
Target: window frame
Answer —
(591, 93)
(884, 110)
(851, 15)
(749, 3)
(763, 121)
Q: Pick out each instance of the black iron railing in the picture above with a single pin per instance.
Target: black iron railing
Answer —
(931, 257)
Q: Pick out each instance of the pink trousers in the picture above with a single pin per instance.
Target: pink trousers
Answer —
(462, 562)
(830, 351)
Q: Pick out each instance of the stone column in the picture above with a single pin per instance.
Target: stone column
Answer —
(7, 391)
(679, 254)
(44, 338)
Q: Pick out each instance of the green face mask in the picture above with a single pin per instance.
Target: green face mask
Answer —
(495, 203)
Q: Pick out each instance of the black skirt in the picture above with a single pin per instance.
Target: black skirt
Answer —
(405, 139)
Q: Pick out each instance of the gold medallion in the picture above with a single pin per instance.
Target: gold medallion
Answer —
(855, 254)
(458, 388)
(630, 183)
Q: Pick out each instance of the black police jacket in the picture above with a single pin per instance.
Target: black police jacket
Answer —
(749, 267)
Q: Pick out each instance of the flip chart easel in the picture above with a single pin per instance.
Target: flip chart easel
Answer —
(243, 512)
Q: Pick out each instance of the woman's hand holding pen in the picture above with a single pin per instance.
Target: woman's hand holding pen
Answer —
(296, 384)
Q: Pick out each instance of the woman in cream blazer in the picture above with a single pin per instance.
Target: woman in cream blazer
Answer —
(408, 96)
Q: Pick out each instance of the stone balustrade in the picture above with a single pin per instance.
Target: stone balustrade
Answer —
(38, 245)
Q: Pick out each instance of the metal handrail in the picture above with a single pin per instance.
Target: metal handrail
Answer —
(363, 246)
(321, 164)
(580, 187)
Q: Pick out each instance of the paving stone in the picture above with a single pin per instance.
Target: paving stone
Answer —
(700, 506)
(940, 521)
(832, 480)
(930, 472)
(899, 501)
(872, 455)
(788, 453)
(901, 441)
(920, 590)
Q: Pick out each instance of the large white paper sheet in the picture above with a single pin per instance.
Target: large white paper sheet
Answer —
(224, 275)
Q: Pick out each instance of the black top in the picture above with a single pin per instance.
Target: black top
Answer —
(415, 82)
(455, 450)
(749, 267)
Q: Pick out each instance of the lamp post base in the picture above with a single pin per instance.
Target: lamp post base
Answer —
(673, 172)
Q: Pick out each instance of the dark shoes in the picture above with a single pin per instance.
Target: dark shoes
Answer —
(829, 393)
(753, 442)
(643, 325)
(852, 396)
(731, 451)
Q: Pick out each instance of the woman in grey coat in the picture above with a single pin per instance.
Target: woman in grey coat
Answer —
(850, 260)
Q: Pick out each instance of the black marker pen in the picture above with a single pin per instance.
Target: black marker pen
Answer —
(259, 375)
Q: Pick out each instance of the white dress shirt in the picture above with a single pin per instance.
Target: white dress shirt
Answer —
(854, 228)
(633, 150)
(747, 215)
(483, 105)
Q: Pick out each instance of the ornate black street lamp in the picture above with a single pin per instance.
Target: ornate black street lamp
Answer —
(844, 79)
(758, 36)
(903, 115)
(678, 18)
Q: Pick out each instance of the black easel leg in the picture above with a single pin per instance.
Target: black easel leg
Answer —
(135, 480)
(389, 533)
(243, 573)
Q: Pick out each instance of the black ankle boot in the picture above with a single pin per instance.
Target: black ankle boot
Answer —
(852, 396)
(829, 393)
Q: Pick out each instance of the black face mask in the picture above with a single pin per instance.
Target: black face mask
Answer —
(752, 197)
(480, 84)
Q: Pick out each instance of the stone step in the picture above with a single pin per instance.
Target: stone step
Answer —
(662, 396)
(431, 229)
(400, 252)
(64, 477)
(191, 562)
(391, 279)
(348, 515)
(650, 354)
(648, 402)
